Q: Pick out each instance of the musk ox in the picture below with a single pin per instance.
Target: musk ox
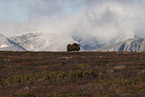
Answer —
(73, 47)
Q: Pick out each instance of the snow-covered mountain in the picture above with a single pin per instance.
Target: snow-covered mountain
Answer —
(133, 44)
(39, 41)
(8, 45)
(30, 41)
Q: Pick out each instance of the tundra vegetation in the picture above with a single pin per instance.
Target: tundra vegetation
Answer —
(76, 74)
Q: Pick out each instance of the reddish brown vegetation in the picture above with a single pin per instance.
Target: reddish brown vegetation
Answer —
(30, 74)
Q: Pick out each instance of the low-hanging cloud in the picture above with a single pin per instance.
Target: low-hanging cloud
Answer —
(97, 21)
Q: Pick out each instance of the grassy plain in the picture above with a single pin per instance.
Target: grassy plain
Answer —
(75, 74)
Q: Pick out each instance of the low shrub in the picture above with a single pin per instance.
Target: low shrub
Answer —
(47, 76)
(22, 95)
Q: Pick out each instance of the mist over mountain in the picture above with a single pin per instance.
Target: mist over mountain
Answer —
(8, 45)
(43, 41)
(38, 41)
(93, 24)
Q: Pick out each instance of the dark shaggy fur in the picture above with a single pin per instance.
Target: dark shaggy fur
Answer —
(73, 47)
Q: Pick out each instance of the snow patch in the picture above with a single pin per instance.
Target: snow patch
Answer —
(3, 46)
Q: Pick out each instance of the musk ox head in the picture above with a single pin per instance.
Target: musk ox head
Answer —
(73, 47)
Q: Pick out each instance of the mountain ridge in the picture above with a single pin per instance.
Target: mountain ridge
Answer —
(8, 45)
(134, 44)
(41, 41)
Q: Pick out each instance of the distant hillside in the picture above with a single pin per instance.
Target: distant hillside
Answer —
(8, 45)
(133, 44)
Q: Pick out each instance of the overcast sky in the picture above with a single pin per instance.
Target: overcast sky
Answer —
(101, 18)
(23, 10)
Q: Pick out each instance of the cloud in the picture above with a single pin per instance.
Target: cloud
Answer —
(58, 7)
(9, 28)
(40, 8)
